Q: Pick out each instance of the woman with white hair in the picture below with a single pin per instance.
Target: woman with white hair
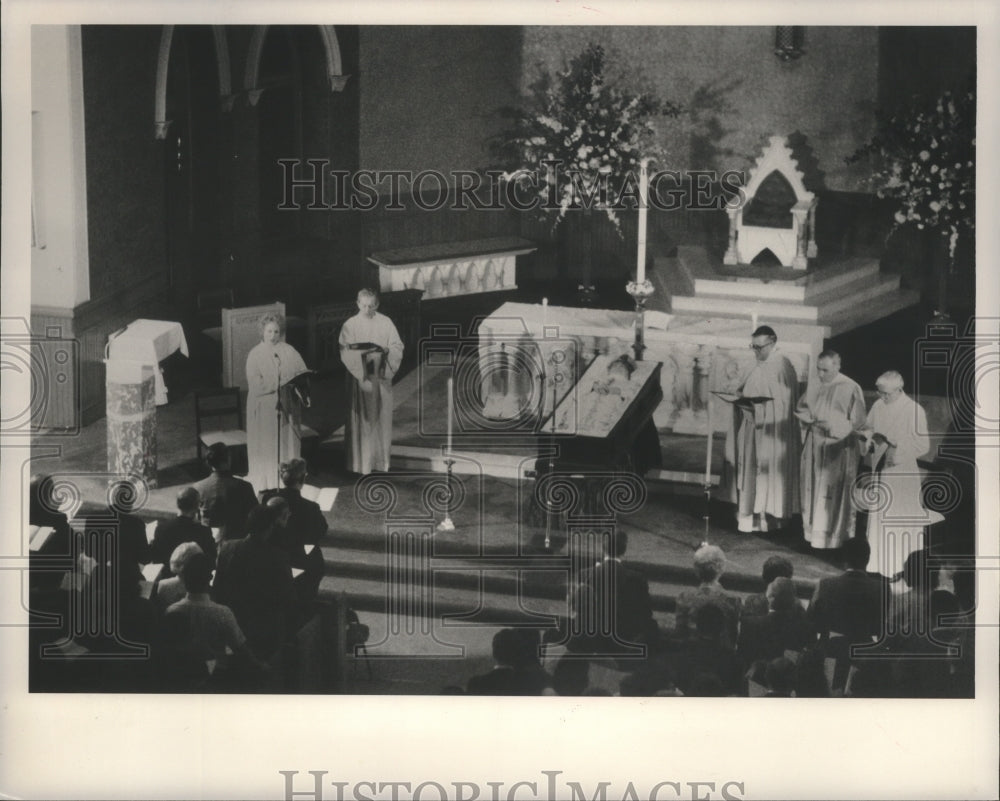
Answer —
(709, 565)
(273, 431)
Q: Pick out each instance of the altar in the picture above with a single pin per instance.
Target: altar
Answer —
(522, 345)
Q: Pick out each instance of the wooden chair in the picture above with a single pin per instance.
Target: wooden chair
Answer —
(219, 403)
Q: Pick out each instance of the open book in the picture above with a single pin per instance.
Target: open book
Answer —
(324, 497)
(741, 400)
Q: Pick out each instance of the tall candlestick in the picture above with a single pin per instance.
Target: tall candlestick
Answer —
(545, 314)
(451, 410)
(708, 445)
(640, 267)
(753, 322)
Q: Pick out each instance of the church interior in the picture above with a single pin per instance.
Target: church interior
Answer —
(191, 178)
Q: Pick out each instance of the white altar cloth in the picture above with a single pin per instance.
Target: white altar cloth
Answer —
(148, 342)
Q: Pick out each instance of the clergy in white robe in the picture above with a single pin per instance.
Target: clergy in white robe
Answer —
(831, 412)
(895, 436)
(274, 434)
(372, 351)
(761, 473)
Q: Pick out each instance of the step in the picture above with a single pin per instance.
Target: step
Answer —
(854, 270)
(739, 306)
(871, 310)
(834, 301)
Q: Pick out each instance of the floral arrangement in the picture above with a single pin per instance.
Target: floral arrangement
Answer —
(579, 142)
(926, 160)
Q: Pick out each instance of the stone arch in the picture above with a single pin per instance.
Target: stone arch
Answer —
(331, 49)
(160, 122)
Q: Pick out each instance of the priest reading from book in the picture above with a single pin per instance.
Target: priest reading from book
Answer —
(372, 351)
(761, 472)
(277, 391)
(831, 411)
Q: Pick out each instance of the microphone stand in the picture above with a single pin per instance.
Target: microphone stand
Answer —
(277, 425)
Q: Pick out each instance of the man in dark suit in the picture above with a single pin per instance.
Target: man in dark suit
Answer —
(49, 563)
(254, 579)
(851, 604)
(225, 499)
(785, 627)
(627, 591)
(510, 674)
(183, 528)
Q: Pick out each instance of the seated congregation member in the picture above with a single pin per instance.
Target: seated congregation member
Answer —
(200, 635)
(49, 563)
(810, 673)
(254, 579)
(304, 526)
(225, 499)
(626, 589)
(774, 567)
(784, 628)
(709, 565)
(132, 547)
(183, 528)
(849, 609)
(919, 634)
(779, 678)
(171, 589)
(508, 676)
(707, 654)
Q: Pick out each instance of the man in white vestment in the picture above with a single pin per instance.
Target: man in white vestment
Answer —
(763, 443)
(830, 412)
(895, 435)
(372, 351)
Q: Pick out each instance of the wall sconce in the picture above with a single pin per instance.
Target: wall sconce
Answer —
(788, 41)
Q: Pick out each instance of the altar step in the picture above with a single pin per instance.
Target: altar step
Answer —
(489, 591)
(839, 297)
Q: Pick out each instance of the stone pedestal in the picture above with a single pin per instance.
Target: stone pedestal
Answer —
(131, 418)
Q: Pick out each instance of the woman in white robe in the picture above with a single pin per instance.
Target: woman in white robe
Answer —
(273, 432)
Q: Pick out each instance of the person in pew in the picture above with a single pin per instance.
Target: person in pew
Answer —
(507, 676)
(302, 529)
(274, 431)
(226, 500)
(203, 641)
(810, 673)
(132, 547)
(779, 678)
(849, 609)
(706, 653)
(709, 565)
(49, 562)
(254, 579)
(183, 528)
(774, 567)
(784, 628)
(372, 352)
(627, 592)
(571, 676)
(170, 590)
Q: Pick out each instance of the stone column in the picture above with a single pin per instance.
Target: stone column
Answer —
(800, 261)
(811, 250)
(732, 256)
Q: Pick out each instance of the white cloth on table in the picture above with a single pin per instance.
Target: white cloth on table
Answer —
(149, 342)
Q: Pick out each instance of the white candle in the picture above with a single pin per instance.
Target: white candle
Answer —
(753, 322)
(640, 267)
(708, 445)
(545, 314)
(451, 411)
